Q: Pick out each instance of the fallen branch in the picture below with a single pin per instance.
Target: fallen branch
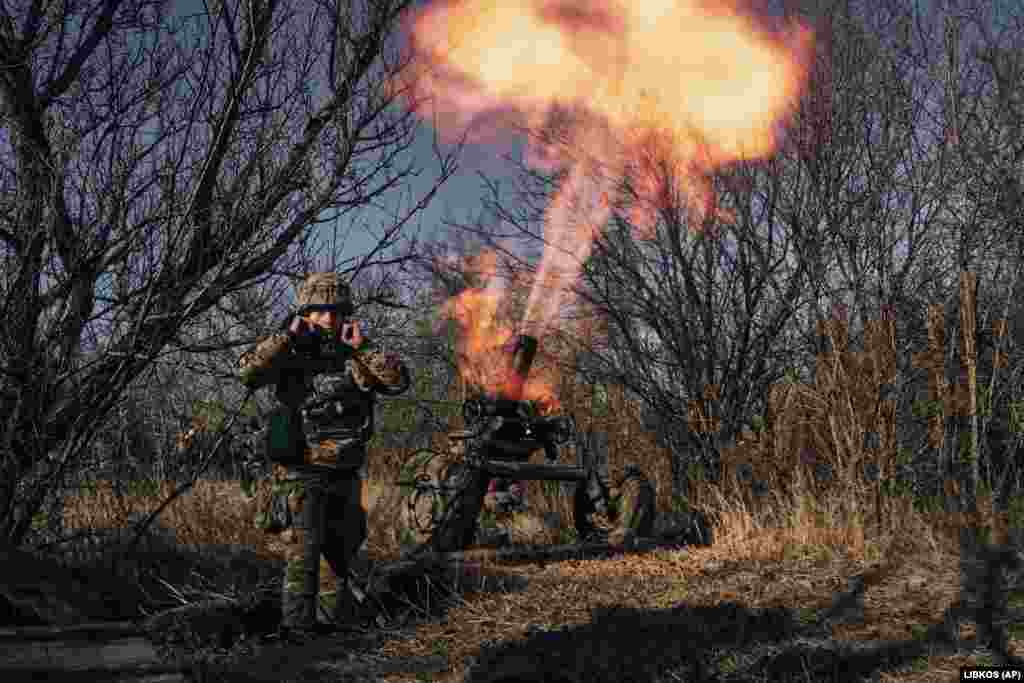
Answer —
(428, 562)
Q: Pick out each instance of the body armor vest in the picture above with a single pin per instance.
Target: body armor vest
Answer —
(336, 408)
(325, 399)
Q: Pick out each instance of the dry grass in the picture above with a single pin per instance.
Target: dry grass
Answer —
(784, 553)
(795, 547)
(211, 513)
(910, 570)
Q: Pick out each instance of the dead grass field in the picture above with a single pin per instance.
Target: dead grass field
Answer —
(796, 555)
(798, 548)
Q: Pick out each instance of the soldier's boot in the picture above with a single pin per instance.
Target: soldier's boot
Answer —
(347, 602)
(345, 612)
(297, 616)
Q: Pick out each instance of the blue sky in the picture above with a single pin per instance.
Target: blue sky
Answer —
(461, 196)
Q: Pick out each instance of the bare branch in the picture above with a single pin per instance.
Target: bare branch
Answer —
(101, 28)
(153, 176)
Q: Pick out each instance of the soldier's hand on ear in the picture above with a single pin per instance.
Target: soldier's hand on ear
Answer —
(305, 335)
(351, 334)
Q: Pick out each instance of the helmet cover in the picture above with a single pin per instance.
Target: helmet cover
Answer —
(325, 292)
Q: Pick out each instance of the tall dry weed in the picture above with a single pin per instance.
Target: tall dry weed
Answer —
(211, 513)
(809, 426)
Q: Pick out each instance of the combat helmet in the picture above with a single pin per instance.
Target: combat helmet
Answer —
(325, 292)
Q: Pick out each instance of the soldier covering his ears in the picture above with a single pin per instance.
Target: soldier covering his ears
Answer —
(327, 376)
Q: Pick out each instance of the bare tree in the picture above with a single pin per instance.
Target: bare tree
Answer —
(855, 211)
(984, 112)
(927, 99)
(156, 164)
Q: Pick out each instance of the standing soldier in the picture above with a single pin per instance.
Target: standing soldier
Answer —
(327, 376)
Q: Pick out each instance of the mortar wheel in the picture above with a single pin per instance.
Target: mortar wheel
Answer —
(464, 490)
(583, 510)
(635, 508)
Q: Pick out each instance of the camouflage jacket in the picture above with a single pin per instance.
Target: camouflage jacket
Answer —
(333, 389)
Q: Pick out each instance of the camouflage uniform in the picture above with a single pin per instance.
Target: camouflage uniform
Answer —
(327, 399)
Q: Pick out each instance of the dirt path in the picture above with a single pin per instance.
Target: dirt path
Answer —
(666, 615)
(628, 618)
(87, 652)
(625, 619)
(121, 651)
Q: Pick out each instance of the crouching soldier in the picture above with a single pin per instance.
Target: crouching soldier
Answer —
(327, 377)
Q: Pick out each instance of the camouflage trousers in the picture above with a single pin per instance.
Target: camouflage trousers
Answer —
(330, 507)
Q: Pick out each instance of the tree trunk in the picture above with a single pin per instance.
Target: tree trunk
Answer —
(969, 384)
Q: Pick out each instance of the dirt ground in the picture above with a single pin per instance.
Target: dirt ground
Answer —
(803, 613)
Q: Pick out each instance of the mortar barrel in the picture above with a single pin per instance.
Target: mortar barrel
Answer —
(520, 359)
(524, 471)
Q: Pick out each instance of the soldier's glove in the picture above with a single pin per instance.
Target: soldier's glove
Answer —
(304, 335)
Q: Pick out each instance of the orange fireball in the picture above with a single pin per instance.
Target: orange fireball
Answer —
(484, 338)
(630, 84)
